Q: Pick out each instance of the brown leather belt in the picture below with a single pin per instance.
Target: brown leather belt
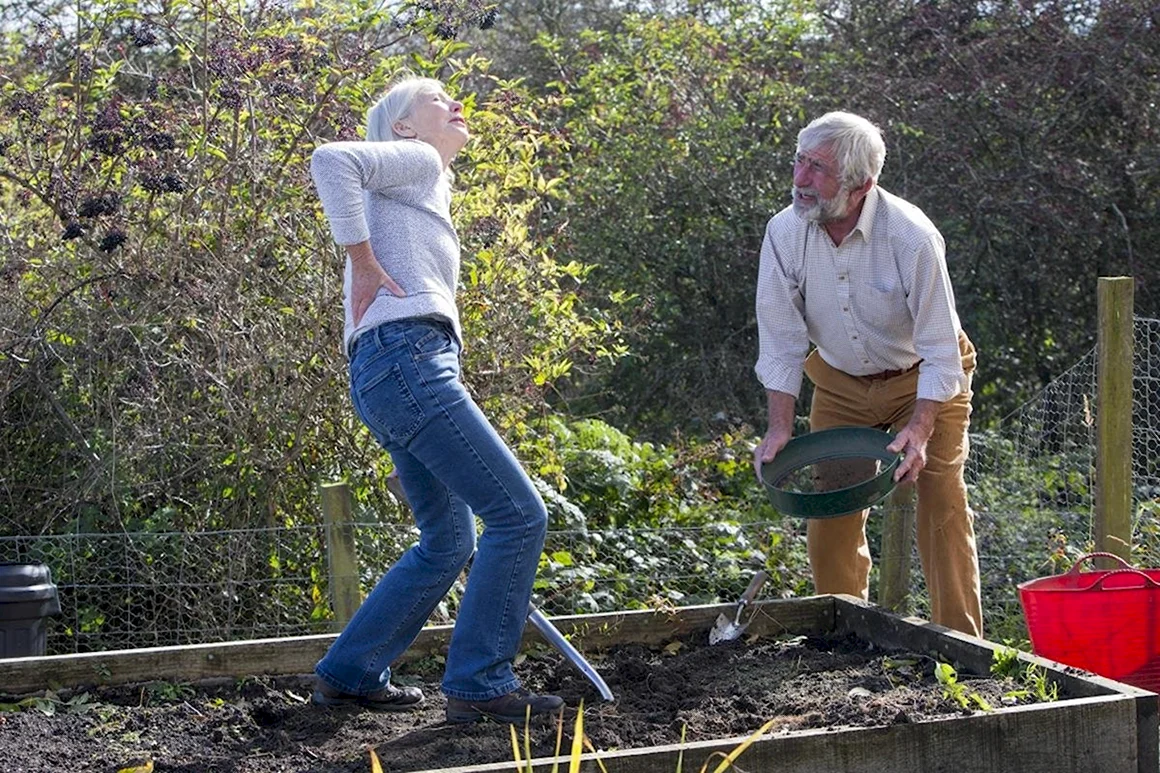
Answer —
(888, 374)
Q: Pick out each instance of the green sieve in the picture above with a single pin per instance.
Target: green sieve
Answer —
(831, 447)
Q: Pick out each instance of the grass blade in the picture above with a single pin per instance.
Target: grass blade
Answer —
(591, 748)
(733, 755)
(577, 741)
(559, 741)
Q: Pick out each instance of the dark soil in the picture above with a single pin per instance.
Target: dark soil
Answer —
(263, 725)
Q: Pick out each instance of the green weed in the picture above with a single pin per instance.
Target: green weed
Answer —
(168, 692)
(1033, 680)
(955, 690)
(50, 704)
(1005, 663)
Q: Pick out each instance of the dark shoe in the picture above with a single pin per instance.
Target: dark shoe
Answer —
(511, 708)
(389, 698)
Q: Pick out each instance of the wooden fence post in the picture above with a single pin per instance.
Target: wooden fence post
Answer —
(1114, 355)
(345, 596)
(894, 565)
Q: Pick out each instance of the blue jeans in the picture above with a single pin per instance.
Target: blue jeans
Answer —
(453, 466)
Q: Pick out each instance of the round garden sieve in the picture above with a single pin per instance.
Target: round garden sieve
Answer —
(831, 472)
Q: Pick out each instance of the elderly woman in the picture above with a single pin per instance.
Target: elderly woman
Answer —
(388, 203)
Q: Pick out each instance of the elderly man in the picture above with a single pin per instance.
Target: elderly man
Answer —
(861, 274)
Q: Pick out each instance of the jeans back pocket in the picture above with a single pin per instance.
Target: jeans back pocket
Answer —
(385, 403)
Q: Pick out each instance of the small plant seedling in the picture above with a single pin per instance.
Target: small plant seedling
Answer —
(1044, 690)
(168, 692)
(955, 690)
(51, 704)
(904, 668)
(1005, 663)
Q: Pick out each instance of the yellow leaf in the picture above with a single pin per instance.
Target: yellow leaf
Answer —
(376, 766)
(733, 755)
(144, 767)
(577, 741)
(515, 746)
(673, 648)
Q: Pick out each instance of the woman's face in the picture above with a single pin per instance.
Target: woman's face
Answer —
(436, 119)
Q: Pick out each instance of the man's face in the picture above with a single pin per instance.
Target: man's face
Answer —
(818, 193)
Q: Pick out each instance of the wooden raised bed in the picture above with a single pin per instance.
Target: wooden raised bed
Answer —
(1102, 726)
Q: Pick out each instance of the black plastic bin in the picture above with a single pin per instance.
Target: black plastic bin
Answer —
(27, 599)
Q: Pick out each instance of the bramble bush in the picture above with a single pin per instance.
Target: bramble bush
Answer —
(169, 345)
(169, 355)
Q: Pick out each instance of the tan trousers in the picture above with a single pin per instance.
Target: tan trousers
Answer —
(838, 551)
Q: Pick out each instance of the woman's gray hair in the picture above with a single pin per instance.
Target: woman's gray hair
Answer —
(396, 105)
(856, 143)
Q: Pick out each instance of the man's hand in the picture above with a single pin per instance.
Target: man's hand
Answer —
(911, 441)
(780, 429)
(773, 442)
(367, 277)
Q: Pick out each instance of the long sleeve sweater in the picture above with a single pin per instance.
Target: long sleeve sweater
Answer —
(397, 195)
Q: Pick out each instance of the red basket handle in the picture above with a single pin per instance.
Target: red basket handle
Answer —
(1123, 564)
(1148, 581)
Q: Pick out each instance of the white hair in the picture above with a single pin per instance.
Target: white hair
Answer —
(856, 143)
(396, 105)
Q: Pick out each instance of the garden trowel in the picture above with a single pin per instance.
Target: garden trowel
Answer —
(727, 629)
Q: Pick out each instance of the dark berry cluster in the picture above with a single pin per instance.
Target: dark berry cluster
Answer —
(25, 104)
(72, 230)
(487, 230)
(95, 206)
(163, 183)
(108, 118)
(282, 49)
(143, 35)
(107, 143)
(230, 95)
(280, 87)
(108, 131)
(159, 141)
(112, 240)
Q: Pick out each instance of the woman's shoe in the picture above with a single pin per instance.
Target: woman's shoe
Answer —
(512, 708)
(389, 698)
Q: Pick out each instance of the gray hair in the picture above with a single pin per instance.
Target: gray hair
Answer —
(396, 105)
(856, 143)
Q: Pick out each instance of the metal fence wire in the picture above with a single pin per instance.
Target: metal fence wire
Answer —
(1031, 484)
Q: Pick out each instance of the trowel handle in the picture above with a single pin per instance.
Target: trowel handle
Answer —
(754, 586)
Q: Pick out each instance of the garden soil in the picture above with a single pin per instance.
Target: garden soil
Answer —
(267, 725)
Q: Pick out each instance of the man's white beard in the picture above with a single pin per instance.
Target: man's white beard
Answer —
(823, 210)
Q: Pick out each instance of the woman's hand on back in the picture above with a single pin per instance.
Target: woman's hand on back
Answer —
(367, 278)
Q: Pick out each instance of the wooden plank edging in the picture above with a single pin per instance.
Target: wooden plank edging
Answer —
(1111, 727)
(857, 616)
(297, 655)
(1079, 736)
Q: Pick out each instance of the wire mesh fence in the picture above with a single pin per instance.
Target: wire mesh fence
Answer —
(159, 589)
(1031, 484)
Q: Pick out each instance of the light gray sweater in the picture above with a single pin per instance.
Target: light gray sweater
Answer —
(397, 195)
